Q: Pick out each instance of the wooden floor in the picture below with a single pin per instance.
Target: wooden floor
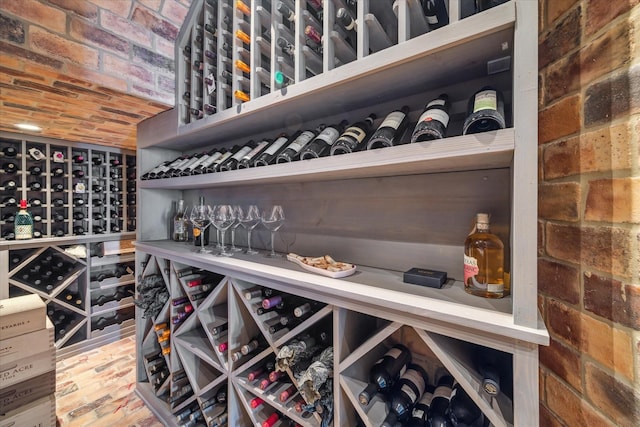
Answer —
(97, 388)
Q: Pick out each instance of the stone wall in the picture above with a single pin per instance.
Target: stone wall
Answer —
(589, 212)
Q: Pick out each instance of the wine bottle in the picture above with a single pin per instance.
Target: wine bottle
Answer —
(232, 162)
(485, 112)
(9, 217)
(97, 202)
(207, 161)
(57, 188)
(293, 149)
(97, 216)
(10, 151)
(286, 11)
(8, 235)
(353, 137)
(435, 12)
(35, 186)
(9, 168)
(78, 216)
(179, 224)
(321, 144)
(385, 372)
(345, 19)
(391, 420)
(78, 201)
(35, 170)
(462, 410)
(57, 217)
(57, 172)
(10, 185)
(114, 227)
(433, 122)
(440, 401)
(484, 262)
(35, 202)
(78, 158)
(390, 130)
(57, 202)
(269, 155)
(23, 226)
(96, 160)
(97, 188)
(407, 390)
(420, 413)
(9, 201)
(496, 369)
(78, 173)
(97, 229)
(248, 159)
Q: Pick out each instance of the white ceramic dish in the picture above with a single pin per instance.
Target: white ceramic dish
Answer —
(322, 271)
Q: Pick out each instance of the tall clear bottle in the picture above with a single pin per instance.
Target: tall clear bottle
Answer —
(180, 224)
(390, 130)
(484, 262)
(23, 223)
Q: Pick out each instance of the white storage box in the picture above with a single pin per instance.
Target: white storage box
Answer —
(29, 344)
(21, 315)
(39, 413)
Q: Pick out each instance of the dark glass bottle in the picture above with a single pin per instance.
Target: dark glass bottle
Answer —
(96, 160)
(435, 12)
(10, 185)
(321, 144)
(353, 137)
(10, 151)
(9, 201)
(35, 186)
(485, 112)
(97, 229)
(78, 216)
(390, 130)
(78, 173)
(420, 413)
(293, 149)
(78, 158)
(57, 188)
(248, 159)
(35, 202)
(433, 122)
(97, 216)
(78, 230)
(9, 217)
(57, 171)
(232, 162)
(407, 390)
(57, 217)
(115, 228)
(35, 170)
(10, 167)
(97, 202)
(269, 155)
(78, 201)
(57, 202)
(97, 188)
(440, 401)
(385, 372)
(346, 20)
(462, 410)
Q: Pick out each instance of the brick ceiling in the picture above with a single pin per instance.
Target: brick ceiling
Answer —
(87, 70)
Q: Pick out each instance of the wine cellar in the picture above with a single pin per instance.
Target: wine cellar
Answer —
(253, 73)
(80, 261)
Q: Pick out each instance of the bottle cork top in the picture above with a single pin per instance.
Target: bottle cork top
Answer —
(482, 218)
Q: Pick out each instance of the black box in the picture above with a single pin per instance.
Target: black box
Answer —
(425, 277)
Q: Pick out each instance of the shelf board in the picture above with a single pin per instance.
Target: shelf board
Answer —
(449, 308)
(67, 240)
(463, 46)
(487, 150)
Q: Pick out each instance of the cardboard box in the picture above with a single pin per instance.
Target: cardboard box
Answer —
(25, 392)
(20, 370)
(21, 315)
(39, 413)
(26, 345)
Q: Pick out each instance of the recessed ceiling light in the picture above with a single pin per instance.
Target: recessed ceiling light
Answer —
(26, 126)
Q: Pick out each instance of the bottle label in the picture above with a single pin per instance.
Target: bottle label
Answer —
(485, 100)
(393, 120)
(417, 413)
(394, 352)
(470, 269)
(211, 88)
(426, 398)
(329, 135)
(215, 156)
(409, 392)
(242, 152)
(23, 231)
(275, 146)
(434, 114)
(442, 391)
(224, 157)
(356, 133)
(178, 227)
(301, 141)
(417, 379)
(432, 19)
(255, 151)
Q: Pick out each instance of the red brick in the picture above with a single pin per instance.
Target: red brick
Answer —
(166, 97)
(152, 4)
(613, 397)
(119, 25)
(11, 29)
(120, 7)
(615, 97)
(607, 52)
(614, 200)
(90, 34)
(570, 407)
(560, 281)
(559, 120)
(601, 150)
(555, 8)
(38, 13)
(164, 47)
(565, 322)
(600, 13)
(563, 361)
(611, 346)
(556, 83)
(547, 418)
(79, 7)
(155, 24)
(174, 12)
(98, 78)
(119, 67)
(612, 299)
(559, 201)
(606, 249)
(562, 38)
(45, 42)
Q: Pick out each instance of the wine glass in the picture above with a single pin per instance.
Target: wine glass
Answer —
(222, 217)
(237, 214)
(200, 217)
(249, 219)
(273, 219)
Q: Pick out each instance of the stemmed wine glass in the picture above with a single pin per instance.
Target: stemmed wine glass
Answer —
(200, 217)
(237, 210)
(222, 217)
(273, 219)
(249, 219)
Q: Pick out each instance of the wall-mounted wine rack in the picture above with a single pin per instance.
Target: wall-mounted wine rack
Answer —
(71, 189)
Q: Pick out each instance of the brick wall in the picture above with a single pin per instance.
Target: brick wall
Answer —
(87, 70)
(589, 212)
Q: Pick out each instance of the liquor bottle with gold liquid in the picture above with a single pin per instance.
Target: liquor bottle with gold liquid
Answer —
(484, 262)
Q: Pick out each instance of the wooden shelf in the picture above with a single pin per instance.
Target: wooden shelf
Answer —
(368, 288)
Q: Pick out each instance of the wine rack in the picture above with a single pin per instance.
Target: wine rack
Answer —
(85, 311)
(67, 193)
(385, 210)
